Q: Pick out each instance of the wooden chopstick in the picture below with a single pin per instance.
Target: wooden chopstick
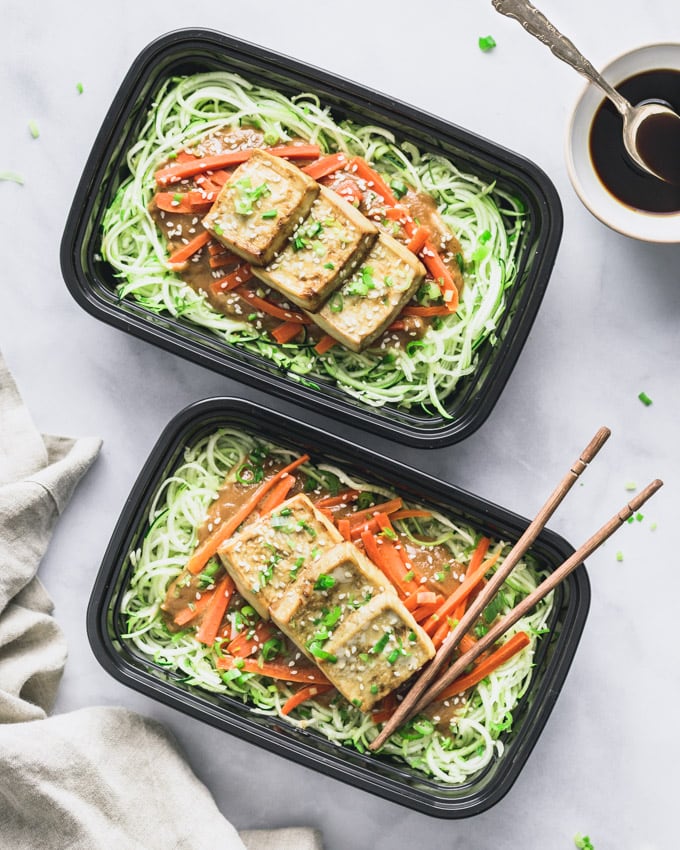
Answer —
(407, 707)
(535, 596)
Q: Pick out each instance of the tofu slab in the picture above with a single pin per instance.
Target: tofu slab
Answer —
(266, 557)
(322, 252)
(260, 206)
(376, 650)
(373, 296)
(328, 592)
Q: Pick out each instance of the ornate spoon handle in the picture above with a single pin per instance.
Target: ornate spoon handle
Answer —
(536, 24)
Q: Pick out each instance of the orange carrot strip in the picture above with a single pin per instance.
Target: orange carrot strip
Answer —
(387, 707)
(232, 280)
(250, 640)
(407, 513)
(325, 166)
(216, 248)
(181, 170)
(349, 190)
(425, 312)
(295, 151)
(357, 530)
(419, 239)
(173, 202)
(278, 494)
(198, 607)
(300, 673)
(384, 523)
(226, 258)
(440, 272)
(302, 696)
(423, 612)
(186, 251)
(341, 499)
(325, 344)
(480, 671)
(397, 326)
(460, 593)
(401, 215)
(343, 528)
(429, 597)
(466, 644)
(210, 545)
(272, 309)
(384, 508)
(286, 332)
(386, 557)
(327, 512)
(363, 170)
(185, 156)
(215, 612)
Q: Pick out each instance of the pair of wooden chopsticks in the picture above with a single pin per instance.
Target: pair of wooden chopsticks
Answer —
(427, 687)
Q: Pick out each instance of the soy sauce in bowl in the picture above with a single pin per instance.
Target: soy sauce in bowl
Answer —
(657, 141)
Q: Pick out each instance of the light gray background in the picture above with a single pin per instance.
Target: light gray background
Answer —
(608, 328)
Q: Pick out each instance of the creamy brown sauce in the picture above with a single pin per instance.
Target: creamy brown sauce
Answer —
(180, 228)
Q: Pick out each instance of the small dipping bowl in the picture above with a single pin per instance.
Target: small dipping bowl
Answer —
(587, 182)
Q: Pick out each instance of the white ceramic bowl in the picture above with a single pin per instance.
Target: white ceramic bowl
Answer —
(647, 226)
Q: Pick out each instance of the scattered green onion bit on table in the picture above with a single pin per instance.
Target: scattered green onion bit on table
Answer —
(486, 43)
(270, 214)
(639, 517)
(583, 842)
(630, 485)
(33, 127)
(645, 399)
(79, 88)
(619, 556)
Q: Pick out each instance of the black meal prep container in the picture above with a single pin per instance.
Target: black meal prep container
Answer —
(382, 776)
(92, 283)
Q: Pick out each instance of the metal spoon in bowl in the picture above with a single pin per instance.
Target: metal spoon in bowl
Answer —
(536, 24)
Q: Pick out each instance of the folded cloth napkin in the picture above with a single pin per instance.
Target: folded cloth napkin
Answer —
(88, 780)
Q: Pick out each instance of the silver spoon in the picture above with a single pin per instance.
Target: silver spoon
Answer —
(536, 24)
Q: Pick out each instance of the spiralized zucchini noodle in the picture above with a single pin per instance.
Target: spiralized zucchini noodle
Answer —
(479, 725)
(486, 221)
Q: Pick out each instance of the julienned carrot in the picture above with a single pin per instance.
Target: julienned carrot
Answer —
(181, 170)
(217, 248)
(299, 673)
(480, 671)
(340, 499)
(232, 280)
(343, 528)
(250, 641)
(326, 165)
(188, 250)
(397, 326)
(460, 593)
(466, 643)
(226, 258)
(349, 190)
(475, 561)
(211, 544)
(422, 612)
(401, 215)
(295, 151)
(355, 531)
(287, 331)
(363, 170)
(407, 513)
(278, 494)
(419, 239)
(272, 309)
(325, 344)
(385, 556)
(385, 508)
(214, 614)
(440, 272)
(387, 708)
(186, 203)
(197, 607)
(303, 695)
(426, 312)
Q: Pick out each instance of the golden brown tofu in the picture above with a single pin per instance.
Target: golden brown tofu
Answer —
(266, 557)
(373, 297)
(326, 593)
(322, 252)
(259, 207)
(379, 648)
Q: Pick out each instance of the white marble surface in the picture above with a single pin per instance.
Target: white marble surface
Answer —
(608, 328)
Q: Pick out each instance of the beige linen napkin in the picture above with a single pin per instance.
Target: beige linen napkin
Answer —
(97, 778)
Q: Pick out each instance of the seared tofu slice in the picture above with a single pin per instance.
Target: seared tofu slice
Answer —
(260, 206)
(266, 557)
(322, 252)
(375, 651)
(326, 593)
(373, 297)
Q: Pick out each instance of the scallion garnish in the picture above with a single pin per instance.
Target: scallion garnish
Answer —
(33, 127)
(392, 657)
(79, 88)
(645, 399)
(329, 265)
(324, 582)
(374, 688)
(270, 214)
(381, 644)
(486, 43)
(398, 187)
(336, 303)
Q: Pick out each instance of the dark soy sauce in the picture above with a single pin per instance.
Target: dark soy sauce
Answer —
(658, 143)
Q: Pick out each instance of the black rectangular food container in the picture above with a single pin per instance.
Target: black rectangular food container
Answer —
(92, 283)
(383, 776)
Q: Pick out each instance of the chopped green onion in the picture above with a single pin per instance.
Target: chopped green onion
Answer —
(412, 637)
(33, 127)
(398, 186)
(247, 473)
(336, 303)
(270, 214)
(423, 726)
(320, 653)
(619, 556)
(645, 399)
(271, 648)
(392, 657)
(177, 198)
(324, 582)
(79, 88)
(484, 237)
(381, 644)
(486, 43)
(630, 485)
(639, 517)
(653, 527)
(374, 688)
(387, 532)
(329, 265)
(271, 137)
(631, 519)
(356, 702)
(583, 842)
(12, 177)
(410, 575)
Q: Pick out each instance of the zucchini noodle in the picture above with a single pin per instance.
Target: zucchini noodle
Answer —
(179, 508)
(486, 220)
